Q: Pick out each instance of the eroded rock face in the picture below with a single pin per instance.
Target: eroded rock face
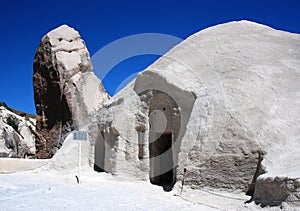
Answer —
(274, 191)
(225, 103)
(17, 135)
(219, 110)
(66, 91)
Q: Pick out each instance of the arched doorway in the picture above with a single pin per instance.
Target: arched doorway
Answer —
(164, 124)
(105, 150)
(99, 161)
(162, 170)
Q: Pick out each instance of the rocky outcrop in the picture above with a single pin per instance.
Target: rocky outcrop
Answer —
(66, 91)
(276, 190)
(17, 134)
(218, 110)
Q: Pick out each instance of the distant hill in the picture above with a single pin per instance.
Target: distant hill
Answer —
(20, 113)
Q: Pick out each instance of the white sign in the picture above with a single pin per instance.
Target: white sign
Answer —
(80, 135)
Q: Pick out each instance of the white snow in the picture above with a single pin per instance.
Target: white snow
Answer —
(13, 165)
(54, 190)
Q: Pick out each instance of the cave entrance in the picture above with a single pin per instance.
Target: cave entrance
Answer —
(99, 153)
(105, 150)
(161, 162)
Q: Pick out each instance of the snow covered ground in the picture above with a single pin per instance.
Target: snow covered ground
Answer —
(53, 190)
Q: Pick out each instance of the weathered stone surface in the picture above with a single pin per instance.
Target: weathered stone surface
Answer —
(66, 91)
(230, 100)
(273, 191)
(218, 110)
(17, 135)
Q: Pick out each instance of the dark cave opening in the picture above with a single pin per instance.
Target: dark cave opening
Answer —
(99, 162)
(161, 163)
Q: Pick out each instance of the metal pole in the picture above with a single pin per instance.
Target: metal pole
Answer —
(182, 184)
(79, 159)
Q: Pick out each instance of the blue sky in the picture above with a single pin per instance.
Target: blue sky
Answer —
(23, 23)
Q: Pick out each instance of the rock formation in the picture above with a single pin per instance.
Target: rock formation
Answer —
(218, 110)
(66, 91)
(17, 134)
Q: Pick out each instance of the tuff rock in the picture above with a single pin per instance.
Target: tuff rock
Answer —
(66, 90)
(17, 135)
(219, 110)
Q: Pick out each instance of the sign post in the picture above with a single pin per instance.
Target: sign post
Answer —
(79, 159)
(79, 136)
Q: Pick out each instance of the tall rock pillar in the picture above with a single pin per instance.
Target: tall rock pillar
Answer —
(66, 90)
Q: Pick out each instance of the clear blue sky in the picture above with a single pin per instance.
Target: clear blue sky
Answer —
(23, 23)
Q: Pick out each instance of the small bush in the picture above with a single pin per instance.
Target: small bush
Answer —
(3, 104)
(22, 114)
